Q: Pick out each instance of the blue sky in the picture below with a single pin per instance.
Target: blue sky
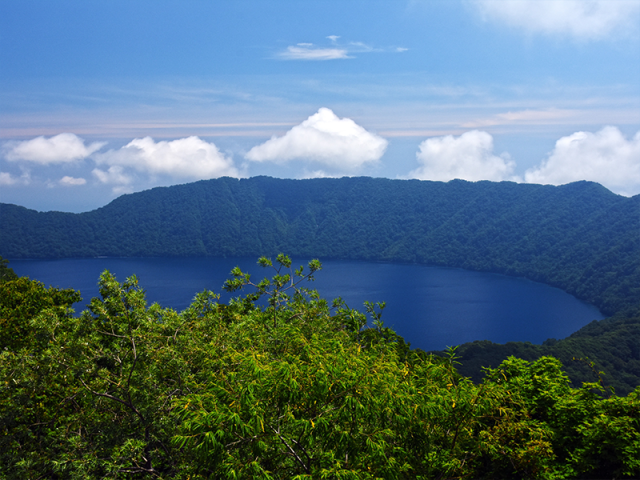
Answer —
(98, 99)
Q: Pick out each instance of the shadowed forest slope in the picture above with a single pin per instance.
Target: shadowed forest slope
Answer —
(579, 237)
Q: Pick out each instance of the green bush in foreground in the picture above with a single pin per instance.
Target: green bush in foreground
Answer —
(290, 387)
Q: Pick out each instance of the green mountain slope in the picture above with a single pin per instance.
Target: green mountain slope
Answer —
(606, 352)
(579, 237)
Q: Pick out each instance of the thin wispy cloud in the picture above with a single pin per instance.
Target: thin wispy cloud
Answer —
(116, 177)
(335, 51)
(7, 179)
(308, 51)
(527, 117)
(578, 19)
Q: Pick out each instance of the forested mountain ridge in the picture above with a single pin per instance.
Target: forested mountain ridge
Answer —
(579, 237)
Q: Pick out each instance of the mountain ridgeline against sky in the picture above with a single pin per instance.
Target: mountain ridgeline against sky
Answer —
(579, 237)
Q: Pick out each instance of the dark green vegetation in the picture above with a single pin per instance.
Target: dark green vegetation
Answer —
(579, 237)
(293, 389)
(6, 272)
(607, 352)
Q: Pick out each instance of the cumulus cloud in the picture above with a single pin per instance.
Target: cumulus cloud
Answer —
(62, 148)
(190, 158)
(468, 157)
(580, 19)
(606, 157)
(323, 138)
(67, 181)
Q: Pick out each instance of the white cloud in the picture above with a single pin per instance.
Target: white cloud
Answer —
(318, 174)
(527, 117)
(336, 51)
(72, 181)
(62, 148)
(606, 157)
(580, 19)
(190, 158)
(337, 143)
(114, 175)
(7, 179)
(363, 47)
(468, 157)
(307, 51)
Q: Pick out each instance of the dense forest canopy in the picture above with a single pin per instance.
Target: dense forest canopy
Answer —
(296, 388)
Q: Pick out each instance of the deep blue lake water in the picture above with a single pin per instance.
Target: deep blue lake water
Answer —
(431, 307)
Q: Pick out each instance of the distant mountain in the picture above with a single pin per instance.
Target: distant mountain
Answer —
(579, 237)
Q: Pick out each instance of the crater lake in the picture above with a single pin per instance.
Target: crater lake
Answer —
(431, 307)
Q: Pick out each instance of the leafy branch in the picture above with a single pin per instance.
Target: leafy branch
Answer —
(276, 288)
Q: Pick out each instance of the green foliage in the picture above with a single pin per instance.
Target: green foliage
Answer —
(289, 387)
(607, 351)
(122, 356)
(34, 393)
(6, 272)
(21, 301)
(592, 436)
(275, 288)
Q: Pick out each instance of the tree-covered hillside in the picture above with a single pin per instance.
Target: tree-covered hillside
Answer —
(607, 352)
(579, 237)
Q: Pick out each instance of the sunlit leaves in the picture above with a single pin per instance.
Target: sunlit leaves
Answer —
(290, 388)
